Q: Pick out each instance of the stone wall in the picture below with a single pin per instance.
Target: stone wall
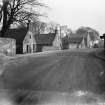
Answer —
(8, 46)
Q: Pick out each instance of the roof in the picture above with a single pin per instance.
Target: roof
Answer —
(45, 39)
(18, 34)
(77, 39)
(74, 38)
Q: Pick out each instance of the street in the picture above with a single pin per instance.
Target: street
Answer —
(60, 78)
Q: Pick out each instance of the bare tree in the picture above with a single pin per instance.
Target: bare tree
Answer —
(51, 26)
(19, 11)
(37, 26)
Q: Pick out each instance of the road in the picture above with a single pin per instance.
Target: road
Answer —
(56, 77)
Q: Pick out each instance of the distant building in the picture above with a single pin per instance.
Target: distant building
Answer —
(76, 41)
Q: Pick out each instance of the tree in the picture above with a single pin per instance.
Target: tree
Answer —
(39, 27)
(51, 26)
(18, 11)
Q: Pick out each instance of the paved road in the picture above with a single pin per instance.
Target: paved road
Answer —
(58, 74)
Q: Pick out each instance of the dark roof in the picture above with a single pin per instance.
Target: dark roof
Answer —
(45, 39)
(18, 34)
(74, 38)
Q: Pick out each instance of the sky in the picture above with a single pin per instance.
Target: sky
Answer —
(76, 13)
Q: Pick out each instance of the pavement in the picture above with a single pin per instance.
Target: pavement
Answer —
(70, 77)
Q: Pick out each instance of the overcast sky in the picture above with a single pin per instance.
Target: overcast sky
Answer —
(76, 13)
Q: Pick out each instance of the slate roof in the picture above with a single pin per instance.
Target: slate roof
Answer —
(74, 38)
(45, 39)
(18, 34)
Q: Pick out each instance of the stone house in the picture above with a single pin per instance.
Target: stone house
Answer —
(18, 34)
(76, 41)
(27, 41)
(36, 42)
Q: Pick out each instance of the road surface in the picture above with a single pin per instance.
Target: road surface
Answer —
(56, 78)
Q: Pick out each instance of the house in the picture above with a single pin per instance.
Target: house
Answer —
(27, 41)
(18, 34)
(35, 43)
(76, 41)
(44, 40)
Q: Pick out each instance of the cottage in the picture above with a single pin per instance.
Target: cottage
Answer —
(35, 43)
(76, 41)
(38, 42)
(18, 34)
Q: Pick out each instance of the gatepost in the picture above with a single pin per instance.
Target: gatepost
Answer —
(103, 37)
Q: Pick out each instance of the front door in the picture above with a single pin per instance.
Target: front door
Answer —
(28, 49)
